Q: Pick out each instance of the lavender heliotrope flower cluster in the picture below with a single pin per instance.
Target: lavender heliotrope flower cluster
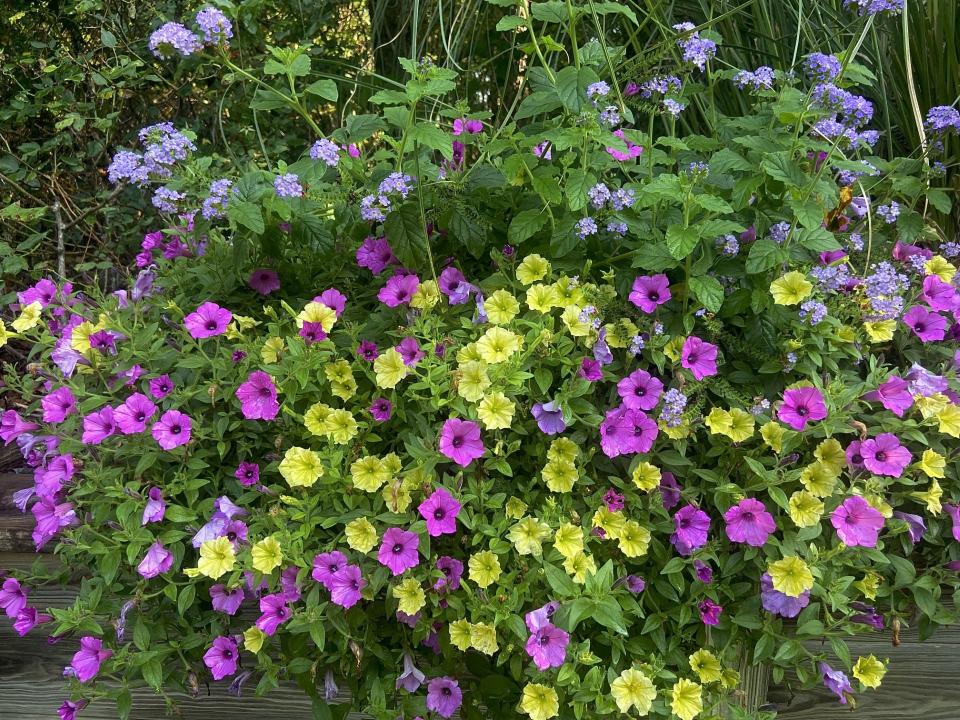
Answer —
(375, 207)
(760, 79)
(697, 50)
(163, 147)
(172, 38)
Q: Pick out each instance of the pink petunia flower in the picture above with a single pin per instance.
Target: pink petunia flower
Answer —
(346, 586)
(884, 455)
(132, 416)
(333, 299)
(221, 657)
(749, 522)
(709, 612)
(547, 645)
(440, 510)
(410, 351)
(160, 387)
(802, 405)
(381, 409)
(58, 405)
(247, 473)
(399, 290)
(157, 561)
(691, 528)
(926, 325)
(208, 320)
(258, 397)
(98, 426)
(275, 612)
(857, 522)
(650, 291)
(264, 281)
(699, 357)
(13, 597)
(325, 565)
(893, 394)
(87, 660)
(640, 390)
(444, 696)
(172, 429)
(590, 370)
(398, 550)
(155, 508)
(226, 600)
(460, 441)
(375, 254)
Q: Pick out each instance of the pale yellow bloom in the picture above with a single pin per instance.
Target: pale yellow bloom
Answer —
(484, 568)
(539, 702)
(496, 411)
(29, 318)
(568, 540)
(646, 476)
(931, 496)
(272, 347)
(772, 434)
(460, 634)
(425, 296)
(949, 419)
(791, 576)
(483, 638)
(532, 269)
(880, 330)
(579, 566)
(317, 312)
(267, 555)
(542, 298)
(706, 665)
(501, 307)
(473, 381)
(869, 671)
(361, 535)
(497, 345)
(411, 596)
(300, 467)
(791, 288)
(686, 699)
(528, 535)
(806, 509)
(253, 638)
(633, 688)
(932, 464)
(389, 369)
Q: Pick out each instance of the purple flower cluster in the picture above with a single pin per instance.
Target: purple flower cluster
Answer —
(874, 7)
(942, 119)
(884, 288)
(327, 151)
(760, 79)
(215, 205)
(288, 186)
(662, 85)
(813, 311)
(172, 39)
(822, 68)
(215, 26)
(374, 208)
(163, 146)
(696, 50)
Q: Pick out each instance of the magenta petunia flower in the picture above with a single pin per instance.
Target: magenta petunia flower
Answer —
(13, 597)
(399, 290)
(375, 254)
(381, 409)
(893, 394)
(699, 357)
(44, 292)
(460, 441)
(221, 657)
(275, 612)
(650, 291)
(547, 645)
(444, 696)
(749, 522)
(703, 572)
(926, 325)
(155, 508)
(536, 619)
(939, 295)
(325, 565)
(12, 426)
(98, 426)
(28, 618)
(627, 432)
(410, 351)
(158, 560)
(857, 522)
(917, 528)
(58, 405)
(160, 387)
(802, 405)
(411, 678)
(68, 709)
(779, 603)
(452, 570)
(954, 512)
(264, 281)
(312, 332)
(226, 600)
(590, 370)
(346, 586)
(836, 682)
(247, 473)
(884, 455)
(398, 550)
(258, 397)
(333, 299)
(640, 390)
(709, 612)
(289, 585)
(691, 527)
(368, 350)
(549, 417)
(172, 429)
(440, 510)
(635, 584)
(87, 660)
(133, 415)
(207, 321)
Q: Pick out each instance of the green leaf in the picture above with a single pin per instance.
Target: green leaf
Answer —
(559, 581)
(551, 11)
(246, 214)
(109, 565)
(541, 101)
(108, 39)
(940, 200)
(681, 241)
(124, 704)
(187, 595)
(654, 256)
(607, 8)
(433, 137)
(572, 85)
(407, 235)
(714, 204)
(389, 97)
(152, 672)
(510, 22)
(764, 254)
(818, 239)
(727, 159)
(708, 290)
(780, 166)
(525, 224)
(327, 89)
(300, 66)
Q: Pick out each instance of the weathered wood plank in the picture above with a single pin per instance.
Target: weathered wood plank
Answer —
(15, 527)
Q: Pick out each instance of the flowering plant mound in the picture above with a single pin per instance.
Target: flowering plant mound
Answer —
(700, 409)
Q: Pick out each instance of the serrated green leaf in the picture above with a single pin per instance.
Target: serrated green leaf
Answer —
(708, 291)
(681, 241)
(525, 224)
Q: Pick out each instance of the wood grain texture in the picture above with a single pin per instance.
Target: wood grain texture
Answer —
(15, 527)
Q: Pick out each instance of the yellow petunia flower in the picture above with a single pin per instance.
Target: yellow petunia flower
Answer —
(949, 419)
(609, 521)
(791, 576)
(532, 269)
(542, 298)
(29, 318)
(468, 353)
(425, 296)
(411, 596)
(369, 473)
(272, 347)
(572, 319)
(819, 479)
(497, 345)
(483, 638)
(791, 289)
(930, 405)
(560, 476)
(880, 330)
(869, 671)
(267, 555)
(484, 568)
(932, 464)
(686, 699)
(718, 420)
(634, 539)
(706, 665)
(568, 540)
(501, 307)
(389, 369)
(563, 450)
(316, 417)
(539, 701)
(79, 336)
(579, 566)
(4, 336)
(317, 312)
(830, 453)
(515, 508)
(528, 535)
(300, 467)
(931, 496)
(253, 639)
(646, 476)
(361, 535)
(496, 411)
(621, 333)
(806, 509)
(460, 634)
(869, 585)
(341, 426)
(939, 266)
(633, 689)
(217, 557)
(772, 434)
(473, 381)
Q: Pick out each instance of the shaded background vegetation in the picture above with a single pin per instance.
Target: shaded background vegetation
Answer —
(77, 81)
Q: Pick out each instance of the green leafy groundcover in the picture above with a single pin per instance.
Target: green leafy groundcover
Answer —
(556, 418)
